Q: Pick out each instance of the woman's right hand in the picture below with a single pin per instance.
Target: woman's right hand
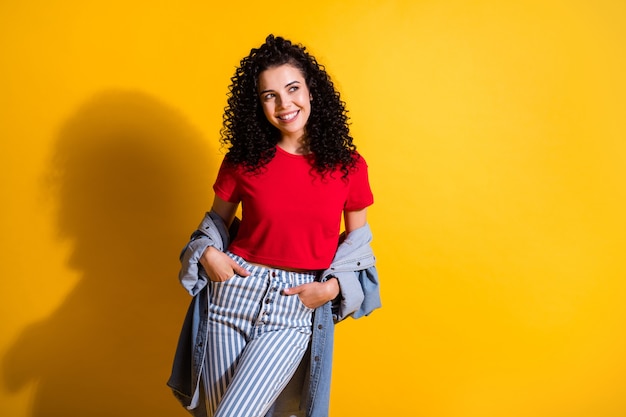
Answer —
(219, 266)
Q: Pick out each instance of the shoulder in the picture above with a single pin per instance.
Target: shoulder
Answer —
(358, 161)
(230, 167)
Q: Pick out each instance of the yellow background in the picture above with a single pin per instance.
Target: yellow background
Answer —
(495, 136)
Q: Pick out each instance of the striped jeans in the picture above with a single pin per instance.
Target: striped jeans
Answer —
(256, 339)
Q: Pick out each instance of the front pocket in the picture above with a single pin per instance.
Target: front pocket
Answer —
(302, 305)
(237, 290)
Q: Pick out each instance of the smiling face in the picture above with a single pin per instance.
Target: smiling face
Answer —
(286, 100)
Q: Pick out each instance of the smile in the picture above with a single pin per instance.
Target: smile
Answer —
(289, 116)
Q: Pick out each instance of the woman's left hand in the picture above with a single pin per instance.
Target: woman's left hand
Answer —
(315, 294)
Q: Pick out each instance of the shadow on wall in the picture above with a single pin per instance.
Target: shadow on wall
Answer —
(130, 175)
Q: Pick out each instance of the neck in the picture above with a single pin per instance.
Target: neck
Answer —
(296, 146)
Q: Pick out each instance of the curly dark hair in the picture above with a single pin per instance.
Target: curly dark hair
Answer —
(249, 137)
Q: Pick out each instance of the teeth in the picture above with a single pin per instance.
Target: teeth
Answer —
(288, 116)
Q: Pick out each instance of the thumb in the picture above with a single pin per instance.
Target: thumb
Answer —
(293, 290)
(239, 270)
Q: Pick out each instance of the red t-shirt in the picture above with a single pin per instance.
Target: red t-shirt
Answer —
(290, 214)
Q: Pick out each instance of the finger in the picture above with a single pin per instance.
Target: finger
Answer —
(240, 270)
(293, 290)
(224, 278)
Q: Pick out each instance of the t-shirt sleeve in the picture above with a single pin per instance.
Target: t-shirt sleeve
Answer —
(225, 186)
(360, 194)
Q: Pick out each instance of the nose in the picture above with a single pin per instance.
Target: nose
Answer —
(282, 101)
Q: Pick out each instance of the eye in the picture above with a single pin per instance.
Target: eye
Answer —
(293, 88)
(268, 96)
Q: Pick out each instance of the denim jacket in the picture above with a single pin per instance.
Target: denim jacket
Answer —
(353, 266)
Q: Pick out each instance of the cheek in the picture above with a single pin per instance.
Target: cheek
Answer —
(267, 111)
(306, 101)
(308, 106)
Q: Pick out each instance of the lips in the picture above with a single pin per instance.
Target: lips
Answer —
(288, 116)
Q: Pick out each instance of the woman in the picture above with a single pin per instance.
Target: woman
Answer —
(292, 166)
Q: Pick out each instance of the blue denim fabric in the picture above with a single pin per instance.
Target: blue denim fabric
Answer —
(354, 267)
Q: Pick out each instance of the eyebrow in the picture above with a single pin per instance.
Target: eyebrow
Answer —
(287, 85)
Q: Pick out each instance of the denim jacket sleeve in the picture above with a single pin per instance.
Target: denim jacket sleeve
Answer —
(354, 266)
(211, 232)
(189, 357)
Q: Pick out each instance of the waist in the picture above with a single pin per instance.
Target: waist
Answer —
(257, 266)
(283, 268)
